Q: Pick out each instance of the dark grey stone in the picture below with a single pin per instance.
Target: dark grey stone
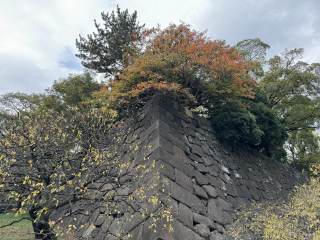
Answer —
(94, 215)
(220, 228)
(213, 170)
(197, 150)
(200, 178)
(186, 197)
(230, 190)
(165, 169)
(105, 226)
(100, 219)
(180, 232)
(255, 193)
(88, 231)
(171, 160)
(185, 215)
(200, 192)
(216, 212)
(207, 161)
(244, 192)
(193, 167)
(197, 218)
(100, 235)
(111, 237)
(115, 226)
(216, 236)
(95, 232)
(183, 180)
(202, 230)
(201, 168)
(169, 202)
(211, 191)
(132, 222)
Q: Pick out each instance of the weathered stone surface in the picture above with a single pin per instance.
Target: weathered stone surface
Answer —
(179, 168)
(217, 213)
(100, 219)
(197, 218)
(183, 180)
(216, 236)
(105, 226)
(88, 232)
(132, 222)
(186, 197)
(171, 160)
(181, 232)
(200, 178)
(185, 215)
(202, 230)
(115, 226)
(166, 169)
(211, 191)
(200, 192)
(180, 154)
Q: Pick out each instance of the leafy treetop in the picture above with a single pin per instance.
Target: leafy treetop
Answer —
(182, 57)
(104, 51)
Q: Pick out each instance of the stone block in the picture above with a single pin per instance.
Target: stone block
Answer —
(185, 215)
(197, 218)
(183, 180)
(88, 231)
(202, 230)
(200, 192)
(171, 160)
(100, 219)
(211, 191)
(180, 154)
(187, 198)
(132, 222)
(216, 236)
(180, 232)
(201, 168)
(105, 226)
(165, 169)
(115, 226)
(200, 178)
(216, 212)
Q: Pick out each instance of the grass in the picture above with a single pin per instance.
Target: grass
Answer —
(19, 231)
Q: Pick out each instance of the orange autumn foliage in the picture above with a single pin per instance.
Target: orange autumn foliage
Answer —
(181, 60)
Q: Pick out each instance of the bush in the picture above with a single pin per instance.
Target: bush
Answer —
(298, 218)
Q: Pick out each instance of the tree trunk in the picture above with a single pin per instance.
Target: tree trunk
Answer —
(41, 226)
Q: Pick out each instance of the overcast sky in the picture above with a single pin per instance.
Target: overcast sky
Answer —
(37, 37)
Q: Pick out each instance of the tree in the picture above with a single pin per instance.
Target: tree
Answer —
(75, 89)
(44, 153)
(254, 52)
(183, 58)
(293, 88)
(51, 159)
(104, 51)
(304, 148)
(200, 72)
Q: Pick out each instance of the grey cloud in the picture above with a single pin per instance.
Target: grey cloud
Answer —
(18, 74)
(45, 48)
(281, 24)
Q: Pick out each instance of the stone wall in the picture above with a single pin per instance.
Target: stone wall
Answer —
(179, 172)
